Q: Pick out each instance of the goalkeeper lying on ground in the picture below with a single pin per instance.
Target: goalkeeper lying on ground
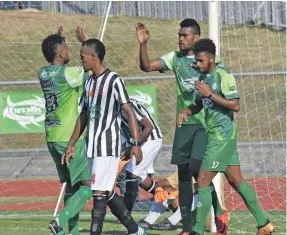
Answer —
(166, 196)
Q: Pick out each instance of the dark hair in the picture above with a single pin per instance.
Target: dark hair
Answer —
(49, 46)
(97, 46)
(188, 22)
(205, 45)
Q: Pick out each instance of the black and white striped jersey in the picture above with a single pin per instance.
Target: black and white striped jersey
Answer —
(140, 111)
(103, 97)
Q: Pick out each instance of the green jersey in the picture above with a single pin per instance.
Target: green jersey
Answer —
(219, 120)
(186, 73)
(61, 86)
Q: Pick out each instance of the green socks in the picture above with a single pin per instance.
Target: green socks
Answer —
(73, 222)
(203, 208)
(216, 204)
(185, 201)
(76, 203)
(250, 198)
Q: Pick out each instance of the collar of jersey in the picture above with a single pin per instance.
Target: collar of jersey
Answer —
(105, 71)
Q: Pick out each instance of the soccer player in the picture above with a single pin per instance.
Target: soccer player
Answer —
(190, 140)
(151, 138)
(104, 95)
(60, 85)
(220, 99)
(166, 196)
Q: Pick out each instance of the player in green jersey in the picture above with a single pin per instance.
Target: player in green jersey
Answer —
(190, 140)
(219, 97)
(61, 86)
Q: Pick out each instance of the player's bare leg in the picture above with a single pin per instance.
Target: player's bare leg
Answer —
(247, 193)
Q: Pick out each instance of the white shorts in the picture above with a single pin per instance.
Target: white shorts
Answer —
(150, 150)
(103, 171)
(150, 170)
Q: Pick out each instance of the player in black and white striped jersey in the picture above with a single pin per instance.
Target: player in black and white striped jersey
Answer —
(104, 97)
(151, 137)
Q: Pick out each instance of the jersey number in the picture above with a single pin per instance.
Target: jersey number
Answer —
(51, 101)
(93, 180)
(215, 165)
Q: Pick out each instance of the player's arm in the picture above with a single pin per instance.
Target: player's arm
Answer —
(143, 120)
(81, 34)
(146, 65)
(193, 109)
(228, 89)
(128, 109)
(122, 96)
(79, 127)
(147, 128)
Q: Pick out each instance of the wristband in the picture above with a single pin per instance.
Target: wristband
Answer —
(210, 95)
(137, 143)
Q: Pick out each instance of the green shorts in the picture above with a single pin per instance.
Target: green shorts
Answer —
(190, 141)
(220, 154)
(78, 169)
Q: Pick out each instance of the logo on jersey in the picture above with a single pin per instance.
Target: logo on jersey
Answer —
(95, 112)
(26, 112)
(47, 85)
(144, 99)
(47, 74)
(214, 86)
(188, 83)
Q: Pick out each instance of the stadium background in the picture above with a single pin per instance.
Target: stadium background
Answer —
(253, 46)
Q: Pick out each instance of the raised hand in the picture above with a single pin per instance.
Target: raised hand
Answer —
(61, 31)
(81, 34)
(143, 34)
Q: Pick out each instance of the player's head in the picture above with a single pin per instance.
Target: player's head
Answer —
(188, 34)
(92, 54)
(55, 49)
(205, 50)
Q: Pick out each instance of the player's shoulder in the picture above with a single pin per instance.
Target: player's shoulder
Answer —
(171, 54)
(223, 72)
(44, 68)
(74, 70)
(48, 71)
(115, 77)
(177, 54)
